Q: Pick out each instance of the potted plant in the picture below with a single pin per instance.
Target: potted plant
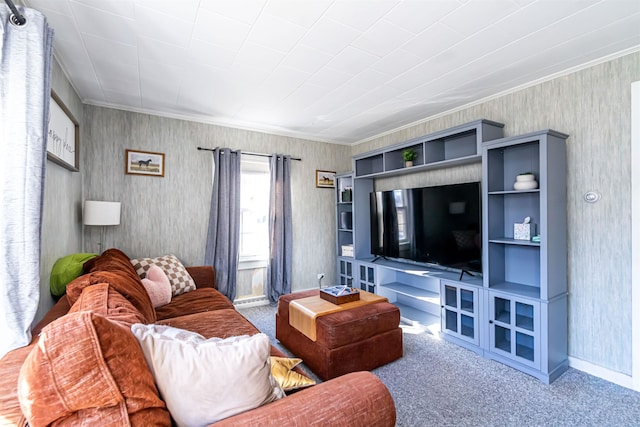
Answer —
(409, 155)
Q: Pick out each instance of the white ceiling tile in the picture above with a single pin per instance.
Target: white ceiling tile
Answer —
(298, 12)
(185, 10)
(276, 33)
(359, 14)
(201, 52)
(258, 57)
(351, 61)
(158, 93)
(323, 106)
(64, 26)
(330, 36)
(163, 27)
(382, 38)
(432, 41)
(103, 24)
(220, 30)
(104, 49)
(369, 78)
(303, 96)
(149, 48)
(108, 70)
(126, 99)
(246, 11)
(329, 78)
(112, 85)
(120, 7)
(397, 62)
(475, 15)
(171, 74)
(306, 58)
(416, 16)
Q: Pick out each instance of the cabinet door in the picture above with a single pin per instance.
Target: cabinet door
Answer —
(460, 311)
(345, 271)
(367, 278)
(514, 328)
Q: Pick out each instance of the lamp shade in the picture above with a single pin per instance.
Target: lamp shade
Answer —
(101, 213)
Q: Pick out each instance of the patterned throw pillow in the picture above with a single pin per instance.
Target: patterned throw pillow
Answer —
(181, 281)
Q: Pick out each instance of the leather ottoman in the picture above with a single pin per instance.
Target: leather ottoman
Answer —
(357, 339)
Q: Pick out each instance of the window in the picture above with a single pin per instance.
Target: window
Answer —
(254, 212)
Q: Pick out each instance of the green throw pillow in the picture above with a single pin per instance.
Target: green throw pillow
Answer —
(65, 270)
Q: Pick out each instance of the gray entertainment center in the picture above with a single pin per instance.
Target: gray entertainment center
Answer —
(515, 312)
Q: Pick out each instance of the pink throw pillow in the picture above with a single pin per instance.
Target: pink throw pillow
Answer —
(158, 286)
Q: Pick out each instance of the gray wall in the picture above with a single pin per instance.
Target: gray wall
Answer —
(61, 223)
(170, 214)
(594, 107)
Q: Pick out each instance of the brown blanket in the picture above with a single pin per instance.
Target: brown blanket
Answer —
(304, 311)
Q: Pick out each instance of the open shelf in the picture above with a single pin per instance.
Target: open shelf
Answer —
(410, 314)
(454, 146)
(516, 289)
(413, 292)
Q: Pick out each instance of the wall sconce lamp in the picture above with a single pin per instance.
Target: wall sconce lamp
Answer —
(101, 214)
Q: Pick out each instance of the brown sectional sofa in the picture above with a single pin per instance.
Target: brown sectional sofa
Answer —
(112, 290)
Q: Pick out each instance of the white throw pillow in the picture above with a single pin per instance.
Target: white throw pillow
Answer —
(205, 380)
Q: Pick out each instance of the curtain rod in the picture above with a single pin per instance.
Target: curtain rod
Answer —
(249, 153)
(17, 17)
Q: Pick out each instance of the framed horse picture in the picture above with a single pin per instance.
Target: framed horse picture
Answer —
(144, 163)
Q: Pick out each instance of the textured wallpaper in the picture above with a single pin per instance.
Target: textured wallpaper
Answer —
(170, 214)
(61, 216)
(593, 106)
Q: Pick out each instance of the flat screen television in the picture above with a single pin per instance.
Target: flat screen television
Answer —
(434, 225)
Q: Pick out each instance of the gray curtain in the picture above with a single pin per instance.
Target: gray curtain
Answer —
(280, 230)
(25, 86)
(223, 236)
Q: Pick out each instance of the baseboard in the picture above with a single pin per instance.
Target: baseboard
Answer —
(251, 302)
(600, 372)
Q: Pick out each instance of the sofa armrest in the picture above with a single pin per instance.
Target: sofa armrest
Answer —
(203, 275)
(355, 399)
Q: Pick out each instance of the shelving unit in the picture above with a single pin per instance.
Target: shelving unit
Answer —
(454, 146)
(525, 282)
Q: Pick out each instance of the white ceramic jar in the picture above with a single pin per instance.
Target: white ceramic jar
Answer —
(525, 181)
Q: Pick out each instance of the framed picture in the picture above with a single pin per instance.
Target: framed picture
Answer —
(63, 137)
(144, 163)
(325, 179)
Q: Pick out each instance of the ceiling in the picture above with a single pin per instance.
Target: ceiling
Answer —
(327, 70)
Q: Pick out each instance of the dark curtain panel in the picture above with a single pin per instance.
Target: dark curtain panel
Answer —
(25, 85)
(223, 236)
(280, 230)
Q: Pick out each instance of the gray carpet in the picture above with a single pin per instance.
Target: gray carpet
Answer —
(439, 383)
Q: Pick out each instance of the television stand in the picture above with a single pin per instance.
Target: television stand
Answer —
(379, 257)
(465, 271)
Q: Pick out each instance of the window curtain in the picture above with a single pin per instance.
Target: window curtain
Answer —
(25, 87)
(280, 230)
(223, 236)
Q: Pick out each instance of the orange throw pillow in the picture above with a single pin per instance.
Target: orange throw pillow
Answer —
(104, 300)
(86, 368)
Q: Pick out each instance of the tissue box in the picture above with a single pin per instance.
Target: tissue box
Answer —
(347, 250)
(523, 231)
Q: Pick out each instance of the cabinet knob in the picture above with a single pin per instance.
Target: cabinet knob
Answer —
(491, 321)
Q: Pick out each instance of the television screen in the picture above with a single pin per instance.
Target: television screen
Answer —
(435, 225)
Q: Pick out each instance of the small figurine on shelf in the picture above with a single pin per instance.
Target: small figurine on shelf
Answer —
(409, 156)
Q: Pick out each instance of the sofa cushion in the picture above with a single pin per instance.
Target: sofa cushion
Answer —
(287, 378)
(205, 380)
(181, 281)
(104, 300)
(110, 260)
(129, 286)
(84, 368)
(197, 301)
(66, 269)
(158, 286)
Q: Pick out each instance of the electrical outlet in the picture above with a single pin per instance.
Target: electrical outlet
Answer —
(320, 276)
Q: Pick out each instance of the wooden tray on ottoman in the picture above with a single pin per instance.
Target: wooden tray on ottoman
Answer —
(340, 294)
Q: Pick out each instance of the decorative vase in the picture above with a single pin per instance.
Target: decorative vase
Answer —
(525, 182)
(408, 163)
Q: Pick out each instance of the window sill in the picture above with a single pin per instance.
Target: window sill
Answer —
(252, 264)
